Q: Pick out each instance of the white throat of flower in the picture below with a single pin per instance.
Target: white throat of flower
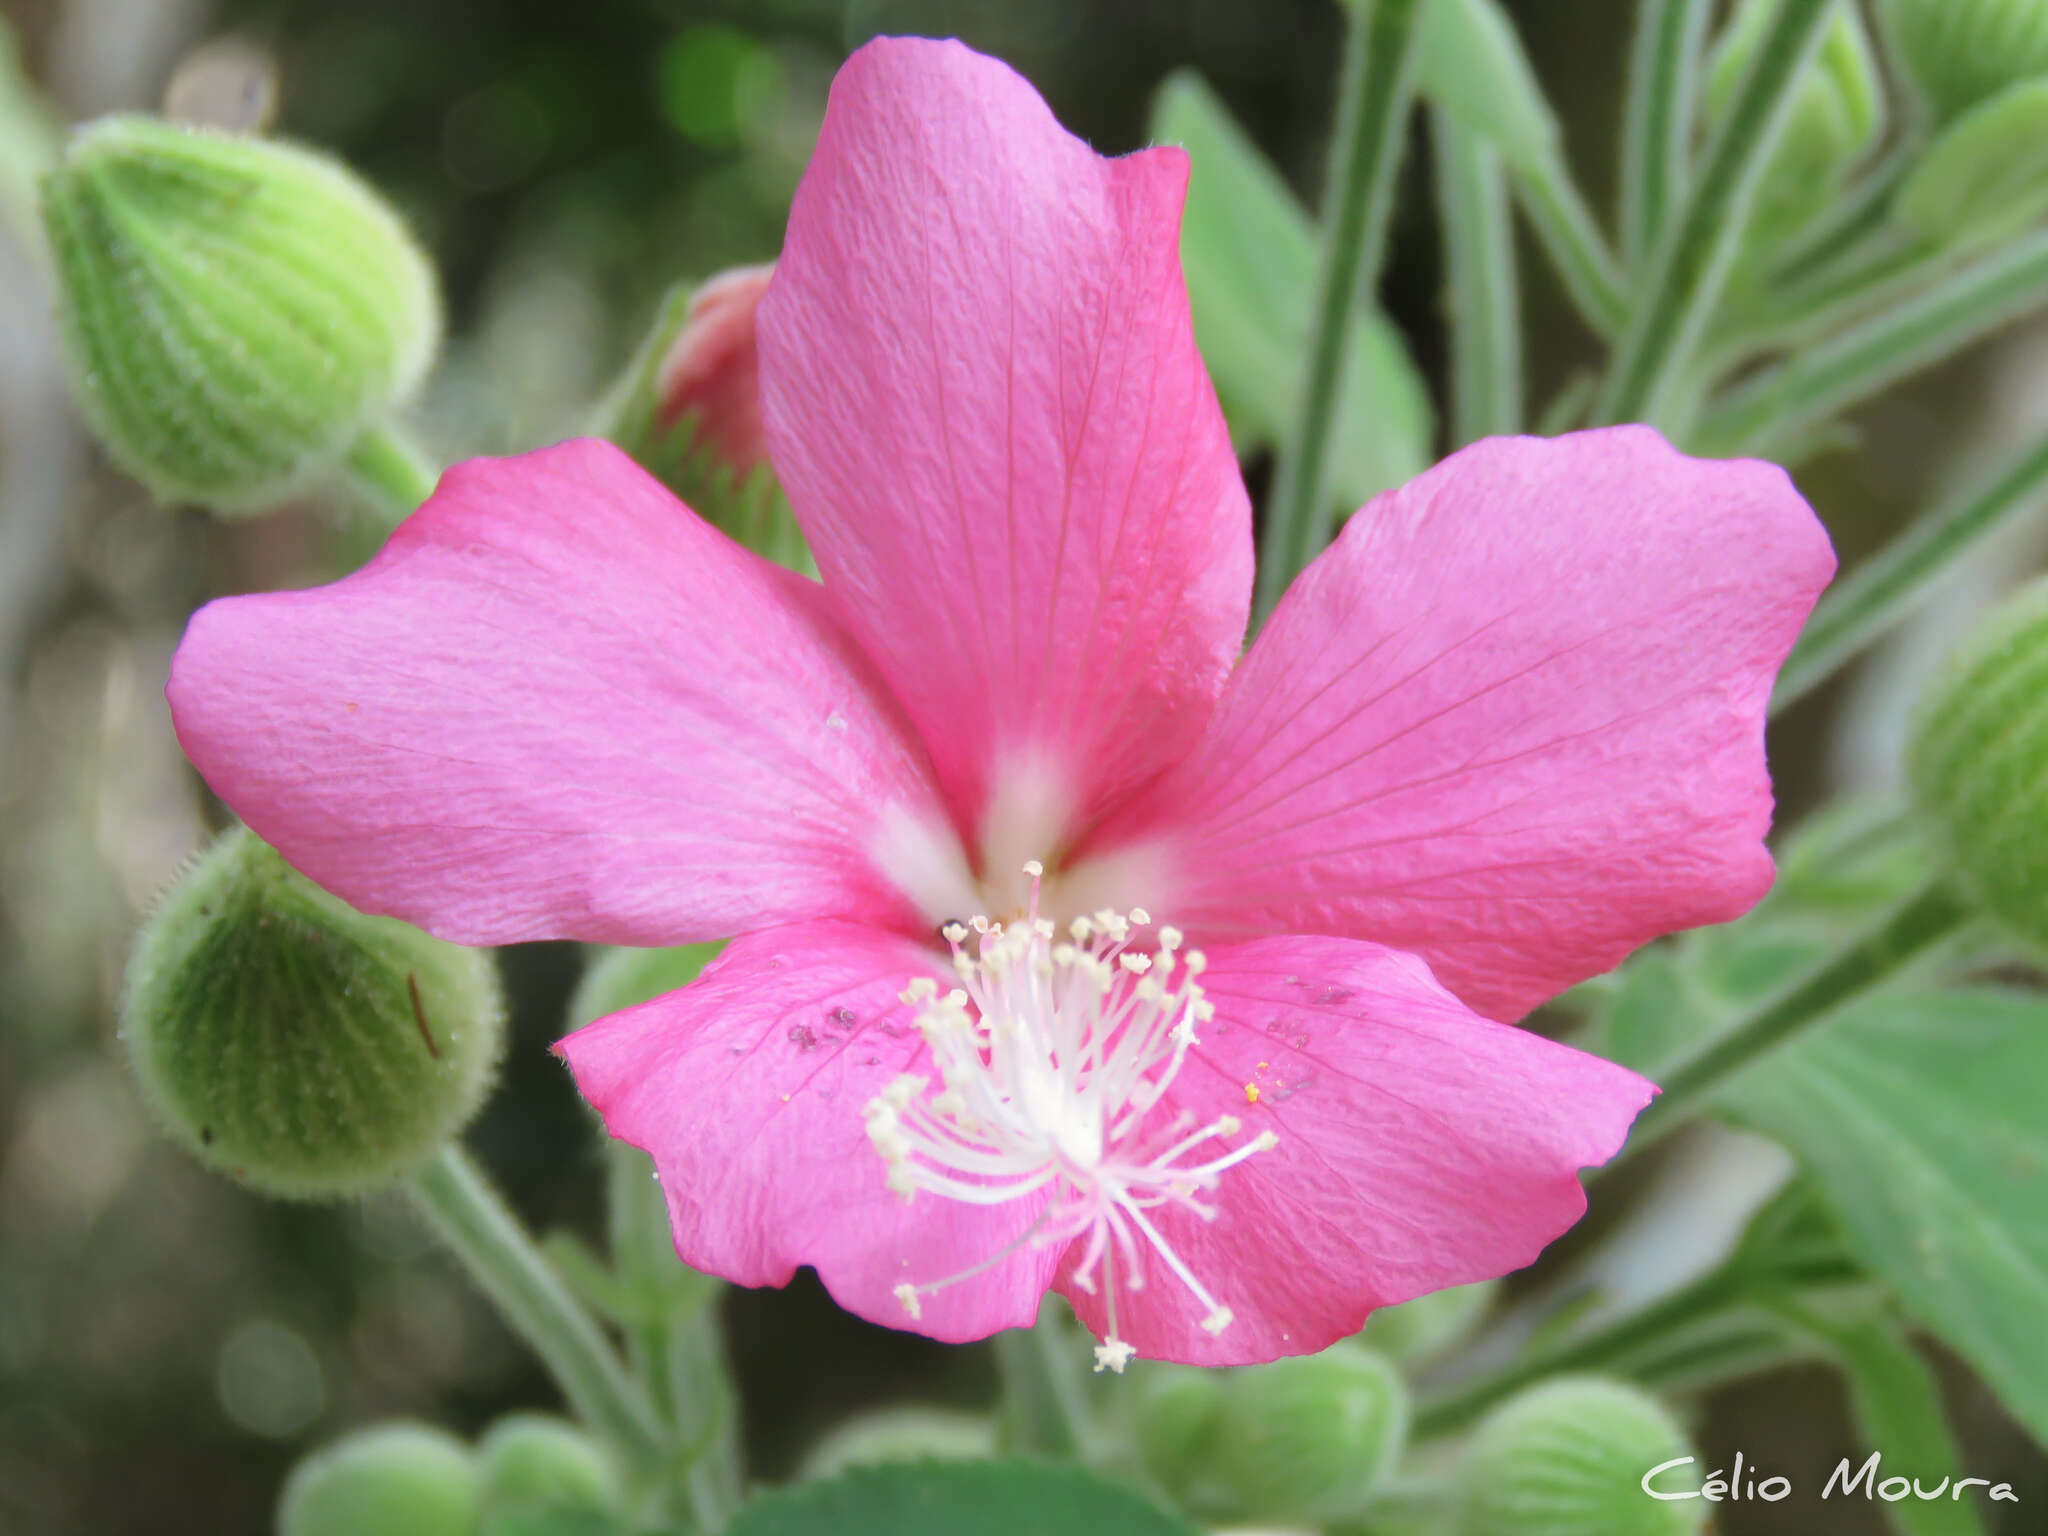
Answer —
(1055, 1050)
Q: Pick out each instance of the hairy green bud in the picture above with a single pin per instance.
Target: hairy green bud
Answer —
(1960, 52)
(537, 1460)
(295, 1044)
(1985, 176)
(905, 1433)
(1567, 1458)
(1307, 1438)
(688, 409)
(235, 310)
(1978, 759)
(391, 1480)
(1179, 1411)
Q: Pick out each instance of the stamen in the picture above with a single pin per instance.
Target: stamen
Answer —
(1113, 1354)
(1056, 1050)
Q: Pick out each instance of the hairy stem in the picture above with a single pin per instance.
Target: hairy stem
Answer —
(1451, 1410)
(1372, 118)
(1771, 411)
(477, 1226)
(1682, 279)
(673, 1336)
(1045, 1407)
(1485, 300)
(1572, 240)
(390, 473)
(1657, 119)
(1910, 931)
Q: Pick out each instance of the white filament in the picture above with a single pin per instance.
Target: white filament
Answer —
(1054, 1051)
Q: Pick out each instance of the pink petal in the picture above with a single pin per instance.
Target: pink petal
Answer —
(1420, 1146)
(748, 1088)
(982, 395)
(1512, 721)
(558, 704)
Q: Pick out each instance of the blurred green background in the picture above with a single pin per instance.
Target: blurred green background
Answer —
(169, 1344)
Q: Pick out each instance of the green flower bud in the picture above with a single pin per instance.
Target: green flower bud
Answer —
(1417, 1329)
(392, 1480)
(1179, 1411)
(1837, 114)
(538, 1459)
(236, 311)
(688, 410)
(1959, 52)
(1306, 1439)
(1978, 759)
(1567, 1458)
(296, 1045)
(1985, 176)
(901, 1434)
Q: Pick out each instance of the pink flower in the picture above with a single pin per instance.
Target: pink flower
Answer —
(713, 369)
(1508, 728)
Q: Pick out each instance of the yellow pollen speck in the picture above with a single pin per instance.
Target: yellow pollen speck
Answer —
(1251, 1093)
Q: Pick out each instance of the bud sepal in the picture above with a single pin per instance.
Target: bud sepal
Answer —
(296, 1045)
(1977, 759)
(1568, 1457)
(396, 1479)
(236, 311)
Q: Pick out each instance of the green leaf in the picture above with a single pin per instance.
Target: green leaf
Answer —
(1898, 1410)
(550, 1520)
(1983, 178)
(1918, 1115)
(1249, 251)
(989, 1498)
(1469, 60)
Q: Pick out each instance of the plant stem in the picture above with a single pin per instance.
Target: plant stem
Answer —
(1454, 1409)
(1888, 588)
(637, 1218)
(1485, 304)
(470, 1217)
(700, 1386)
(674, 1335)
(1657, 120)
(1372, 117)
(1885, 277)
(390, 472)
(1571, 238)
(1931, 915)
(1775, 408)
(1682, 280)
(1045, 1410)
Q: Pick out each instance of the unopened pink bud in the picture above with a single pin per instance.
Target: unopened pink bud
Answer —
(713, 369)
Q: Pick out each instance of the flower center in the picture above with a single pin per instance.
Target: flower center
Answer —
(1054, 1053)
